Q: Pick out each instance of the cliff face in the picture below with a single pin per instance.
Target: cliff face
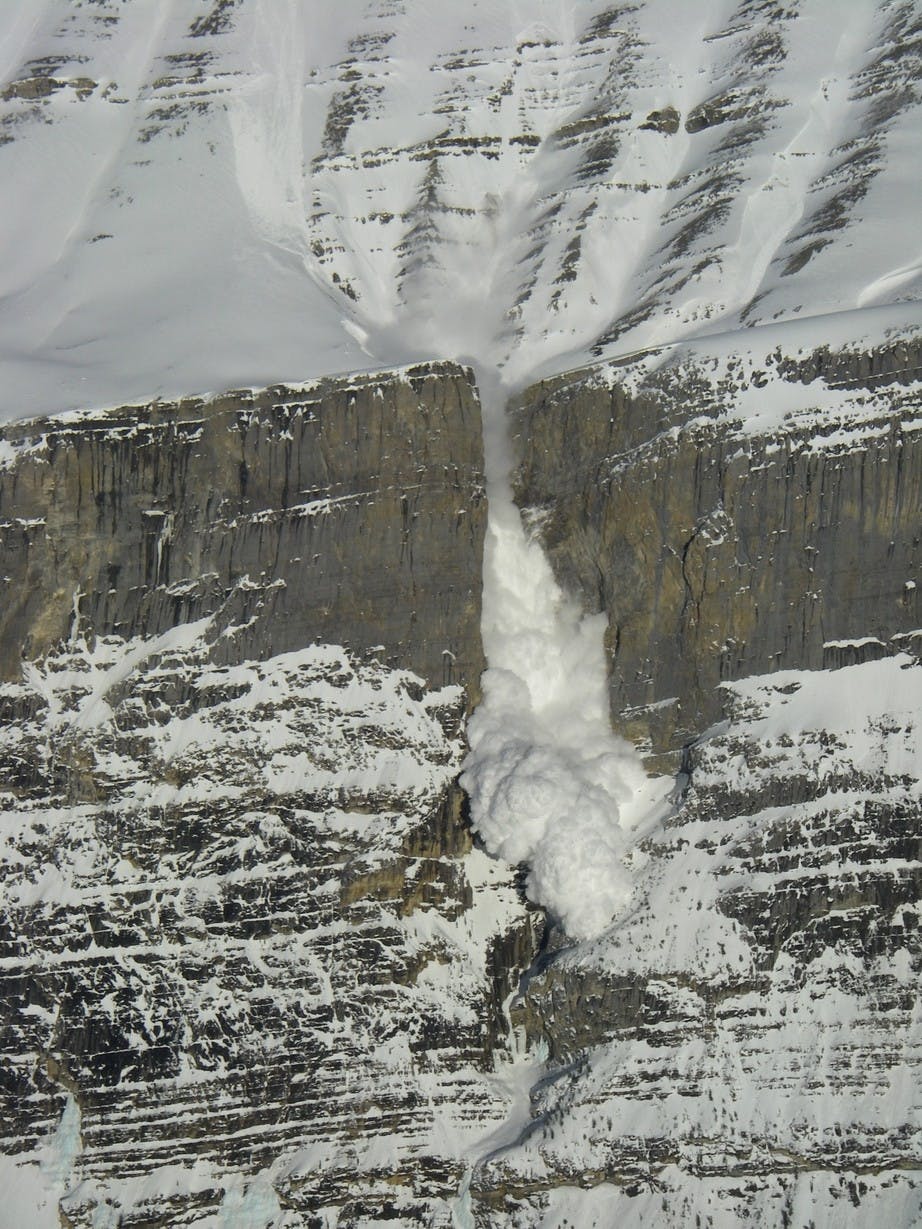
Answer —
(731, 521)
(348, 511)
(743, 1043)
(251, 958)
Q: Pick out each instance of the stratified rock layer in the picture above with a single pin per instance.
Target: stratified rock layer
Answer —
(250, 958)
(349, 511)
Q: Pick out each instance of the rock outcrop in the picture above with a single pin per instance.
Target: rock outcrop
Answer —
(349, 511)
(722, 545)
(252, 960)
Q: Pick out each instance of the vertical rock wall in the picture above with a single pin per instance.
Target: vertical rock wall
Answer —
(347, 510)
(719, 549)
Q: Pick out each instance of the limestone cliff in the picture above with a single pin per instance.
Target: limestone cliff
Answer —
(346, 510)
(256, 967)
(252, 960)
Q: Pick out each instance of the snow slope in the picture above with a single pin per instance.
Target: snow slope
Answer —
(205, 194)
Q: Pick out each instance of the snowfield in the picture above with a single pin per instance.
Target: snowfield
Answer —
(195, 200)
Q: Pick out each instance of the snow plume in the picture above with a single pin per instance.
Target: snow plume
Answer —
(547, 777)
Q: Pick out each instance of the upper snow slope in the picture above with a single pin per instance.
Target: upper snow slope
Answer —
(221, 192)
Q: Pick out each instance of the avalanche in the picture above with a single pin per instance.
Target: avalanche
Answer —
(287, 193)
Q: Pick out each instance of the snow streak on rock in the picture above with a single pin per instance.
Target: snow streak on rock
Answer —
(224, 873)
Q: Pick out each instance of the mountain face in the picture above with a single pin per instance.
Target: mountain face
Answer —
(626, 448)
(252, 960)
(209, 195)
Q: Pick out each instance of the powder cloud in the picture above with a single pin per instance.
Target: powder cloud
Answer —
(546, 775)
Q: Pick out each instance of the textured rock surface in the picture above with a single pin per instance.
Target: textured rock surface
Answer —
(720, 540)
(744, 1046)
(246, 942)
(348, 511)
(251, 960)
